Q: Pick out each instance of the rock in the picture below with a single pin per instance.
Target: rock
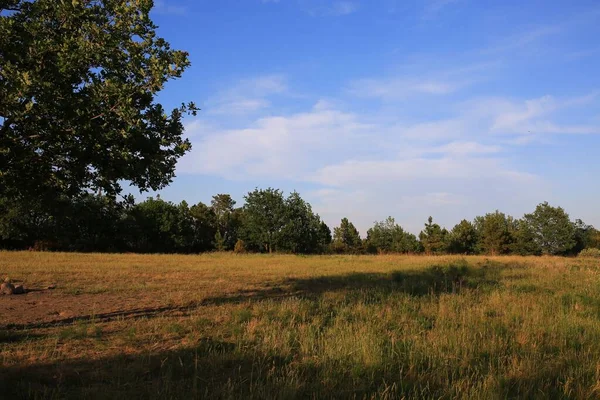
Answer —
(19, 289)
(53, 286)
(7, 288)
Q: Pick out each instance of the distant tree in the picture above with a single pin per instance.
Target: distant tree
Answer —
(78, 84)
(434, 238)
(586, 236)
(205, 226)
(389, 237)
(523, 241)
(325, 238)
(90, 223)
(381, 237)
(83, 223)
(346, 238)
(411, 243)
(228, 221)
(22, 224)
(301, 232)
(158, 226)
(463, 238)
(494, 233)
(553, 231)
(264, 219)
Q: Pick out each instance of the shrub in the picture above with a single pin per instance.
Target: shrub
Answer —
(240, 247)
(590, 252)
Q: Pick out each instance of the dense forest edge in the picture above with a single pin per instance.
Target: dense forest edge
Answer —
(270, 222)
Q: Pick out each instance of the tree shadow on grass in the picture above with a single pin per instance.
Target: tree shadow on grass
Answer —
(213, 369)
(135, 313)
(434, 280)
(16, 336)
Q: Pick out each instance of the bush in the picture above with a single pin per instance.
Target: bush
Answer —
(590, 252)
(240, 247)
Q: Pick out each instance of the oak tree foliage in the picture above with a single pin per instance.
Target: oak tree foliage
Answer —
(78, 109)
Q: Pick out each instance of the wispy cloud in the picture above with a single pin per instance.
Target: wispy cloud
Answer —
(535, 116)
(534, 35)
(169, 7)
(422, 77)
(247, 96)
(524, 39)
(434, 7)
(579, 54)
(322, 8)
(343, 7)
(359, 173)
(396, 88)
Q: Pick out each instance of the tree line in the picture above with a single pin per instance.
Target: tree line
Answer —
(269, 222)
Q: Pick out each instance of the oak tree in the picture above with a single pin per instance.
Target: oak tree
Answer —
(78, 81)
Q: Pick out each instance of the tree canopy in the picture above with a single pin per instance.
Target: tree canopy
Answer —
(78, 81)
(494, 230)
(389, 237)
(346, 238)
(434, 238)
(552, 230)
(463, 238)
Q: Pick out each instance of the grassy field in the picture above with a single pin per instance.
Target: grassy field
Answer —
(260, 326)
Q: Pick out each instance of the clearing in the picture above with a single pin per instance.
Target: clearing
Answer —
(278, 326)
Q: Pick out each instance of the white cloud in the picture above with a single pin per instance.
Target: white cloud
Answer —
(247, 96)
(331, 147)
(443, 129)
(463, 148)
(239, 106)
(534, 116)
(275, 147)
(358, 173)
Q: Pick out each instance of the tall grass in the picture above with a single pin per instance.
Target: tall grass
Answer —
(258, 326)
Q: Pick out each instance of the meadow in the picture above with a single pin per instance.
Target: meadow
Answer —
(281, 326)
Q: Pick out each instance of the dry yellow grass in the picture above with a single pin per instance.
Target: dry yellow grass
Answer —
(276, 326)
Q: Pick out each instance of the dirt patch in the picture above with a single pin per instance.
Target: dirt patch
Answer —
(44, 308)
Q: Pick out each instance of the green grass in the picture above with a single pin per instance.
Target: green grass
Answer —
(259, 326)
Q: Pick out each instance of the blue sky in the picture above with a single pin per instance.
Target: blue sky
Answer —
(449, 108)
